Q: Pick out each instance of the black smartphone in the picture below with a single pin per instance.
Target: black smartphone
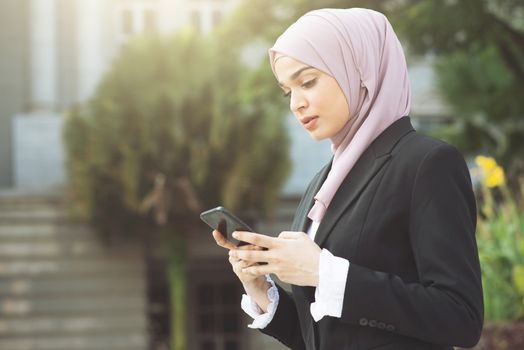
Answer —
(225, 222)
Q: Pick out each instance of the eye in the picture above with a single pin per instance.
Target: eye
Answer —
(287, 94)
(309, 83)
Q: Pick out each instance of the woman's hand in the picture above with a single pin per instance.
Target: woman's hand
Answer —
(237, 264)
(255, 286)
(292, 256)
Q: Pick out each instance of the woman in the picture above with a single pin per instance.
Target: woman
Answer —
(382, 251)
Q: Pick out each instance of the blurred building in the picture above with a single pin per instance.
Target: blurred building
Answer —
(54, 53)
(59, 288)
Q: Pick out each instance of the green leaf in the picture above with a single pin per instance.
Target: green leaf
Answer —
(518, 278)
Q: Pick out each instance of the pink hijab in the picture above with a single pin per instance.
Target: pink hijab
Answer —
(359, 48)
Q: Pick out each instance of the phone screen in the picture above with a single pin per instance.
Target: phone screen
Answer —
(225, 222)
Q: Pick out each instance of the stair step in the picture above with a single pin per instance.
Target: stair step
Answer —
(46, 230)
(67, 305)
(32, 208)
(67, 233)
(17, 286)
(126, 341)
(55, 326)
(61, 287)
(27, 201)
(59, 249)
(39, 214)
(65, 267)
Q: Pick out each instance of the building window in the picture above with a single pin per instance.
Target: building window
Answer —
(150, 20)
(135, 18)
(127, 22)
(196, 20)
(218, 315)
(217, 18)
(218, 322)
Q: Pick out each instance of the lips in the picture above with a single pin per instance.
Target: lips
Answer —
(309, 122)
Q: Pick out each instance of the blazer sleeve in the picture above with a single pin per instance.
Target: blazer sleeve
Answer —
(445, 306)
(285, 325)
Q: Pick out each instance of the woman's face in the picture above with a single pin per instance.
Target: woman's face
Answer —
(314, 97)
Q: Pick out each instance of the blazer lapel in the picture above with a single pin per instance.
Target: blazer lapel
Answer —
(365, 169)
(307, 202)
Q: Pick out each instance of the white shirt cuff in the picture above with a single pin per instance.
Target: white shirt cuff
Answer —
(329, 295)
(261, 319)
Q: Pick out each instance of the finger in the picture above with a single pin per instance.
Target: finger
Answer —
(251, 255)
(291, 234)
(237, 262)
(258, 270)
(255, 238)
(222, 241)
(249, 247)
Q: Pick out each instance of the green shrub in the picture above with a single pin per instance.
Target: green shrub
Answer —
(501, 244)
(181, 110)
(177, 125)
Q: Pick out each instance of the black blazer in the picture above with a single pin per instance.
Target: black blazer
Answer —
(405, 218)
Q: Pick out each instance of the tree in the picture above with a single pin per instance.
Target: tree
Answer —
(450, 26)
(176, 126)
(483, 93)
(479, 46)
(266, 19)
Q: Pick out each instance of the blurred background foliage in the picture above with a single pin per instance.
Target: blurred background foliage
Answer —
(178, 125)
(500, 231)
(182, 114)
(479, 45)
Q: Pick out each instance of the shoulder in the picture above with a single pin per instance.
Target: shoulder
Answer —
(424, 160)
(435, 164)
(418, 149)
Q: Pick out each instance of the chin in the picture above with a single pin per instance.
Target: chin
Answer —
(317, 136)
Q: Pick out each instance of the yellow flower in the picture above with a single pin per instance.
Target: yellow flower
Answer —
(495, 178)
(492, 173)
(487, 164)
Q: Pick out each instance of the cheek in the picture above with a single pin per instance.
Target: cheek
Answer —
(338, 111)
(334, 101)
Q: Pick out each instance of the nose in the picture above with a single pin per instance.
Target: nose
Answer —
(297, 102)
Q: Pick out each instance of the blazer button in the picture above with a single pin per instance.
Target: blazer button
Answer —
(372, 323)
(363, 321)
(390, 328)
(381, 325)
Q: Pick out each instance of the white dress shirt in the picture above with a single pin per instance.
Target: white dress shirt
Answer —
(329, 295)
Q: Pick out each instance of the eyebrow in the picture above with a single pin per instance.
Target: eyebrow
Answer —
(297, 73)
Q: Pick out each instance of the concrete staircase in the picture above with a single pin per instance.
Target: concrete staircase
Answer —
(60, 288)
